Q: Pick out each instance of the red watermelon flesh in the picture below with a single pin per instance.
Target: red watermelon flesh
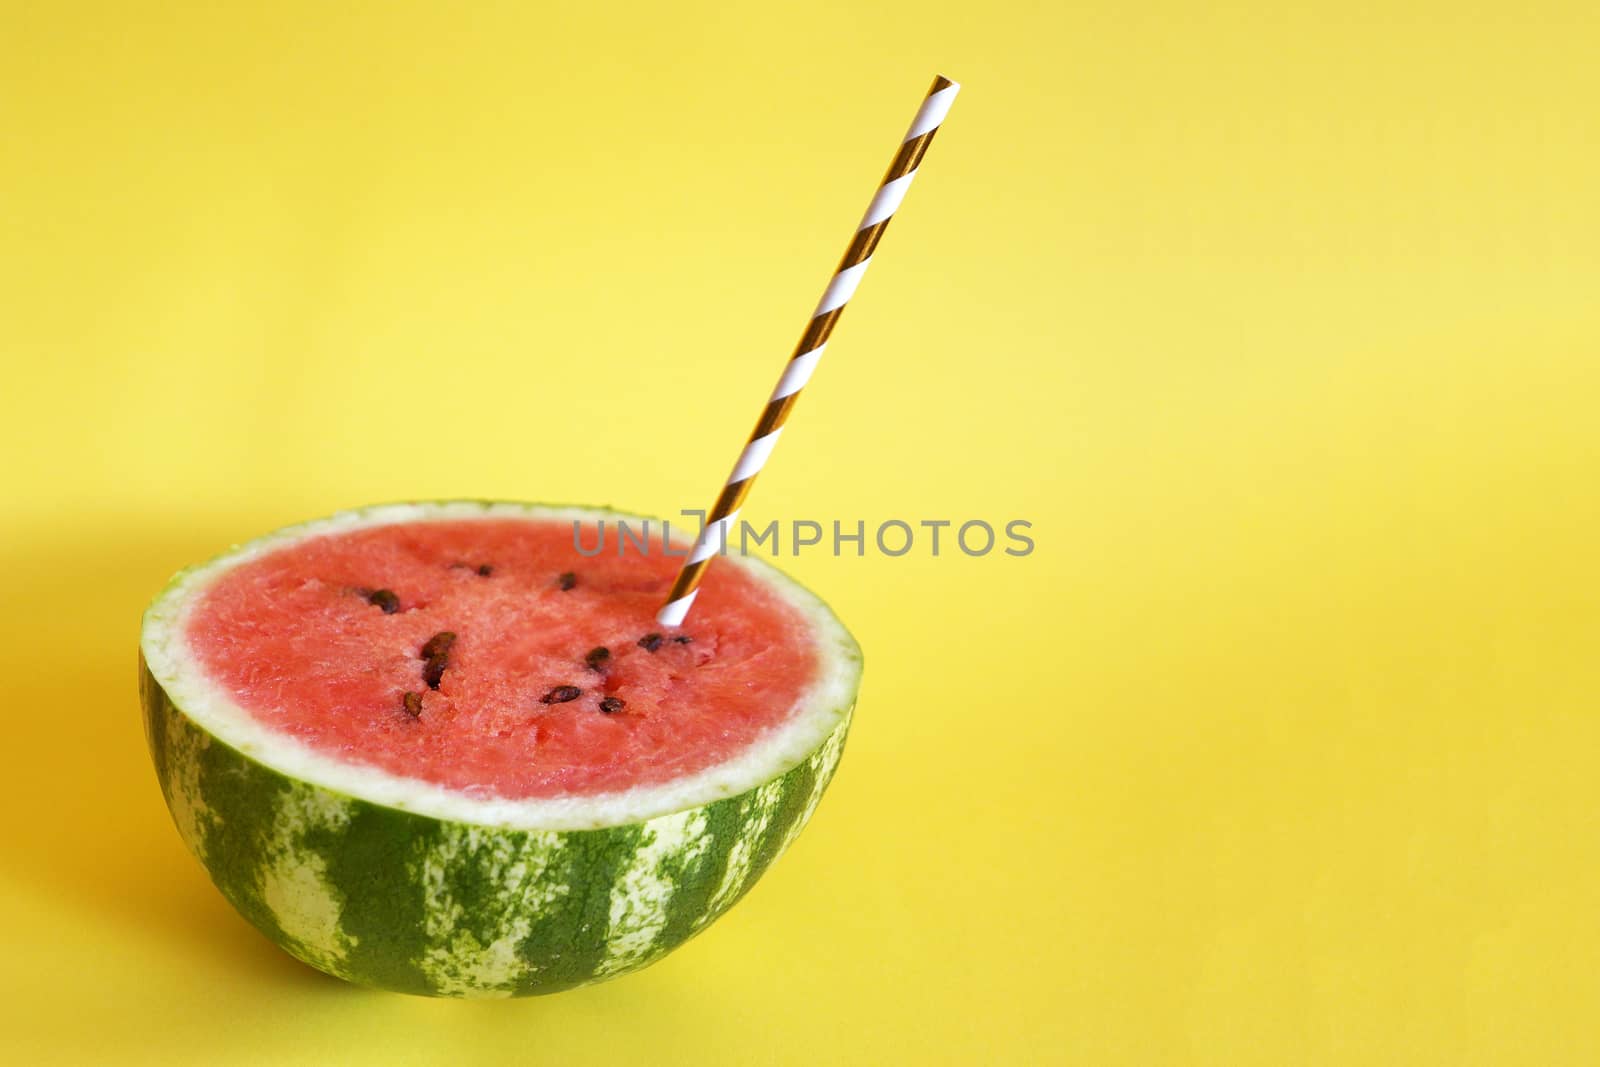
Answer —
(300, 639)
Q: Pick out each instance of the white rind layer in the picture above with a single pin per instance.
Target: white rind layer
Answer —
(815, 716)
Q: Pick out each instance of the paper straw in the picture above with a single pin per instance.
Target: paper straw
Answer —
(891, 191)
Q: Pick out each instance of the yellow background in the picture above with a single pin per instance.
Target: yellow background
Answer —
(1278, 321)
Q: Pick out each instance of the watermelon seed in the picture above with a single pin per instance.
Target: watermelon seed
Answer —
(439, 644)
(561, 694)
(436, 653)
(612, 705)
(385, 599)
(484, 570)
(597, 658)
(567, 580)
(650, 642)
(413, 704)
(682, 639)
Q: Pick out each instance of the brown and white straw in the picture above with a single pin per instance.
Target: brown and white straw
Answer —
(891, 191)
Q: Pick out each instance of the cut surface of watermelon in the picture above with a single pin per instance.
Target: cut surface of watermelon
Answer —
(557, 702)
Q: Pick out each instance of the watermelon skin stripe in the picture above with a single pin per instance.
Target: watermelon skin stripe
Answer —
(408, 902)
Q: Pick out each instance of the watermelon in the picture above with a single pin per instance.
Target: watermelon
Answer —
(437, 749)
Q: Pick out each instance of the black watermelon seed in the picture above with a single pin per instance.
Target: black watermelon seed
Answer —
(567, 580)
(385, 599)
(561, 694)
(484, 570)
(433, 670)
(650, 642)
(413, 704)
(597, 658)
(612, 705)
(682, 639)
(439, 644)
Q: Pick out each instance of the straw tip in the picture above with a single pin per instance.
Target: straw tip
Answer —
(673, 612)
(941, 83)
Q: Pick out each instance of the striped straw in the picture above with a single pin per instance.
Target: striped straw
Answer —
(725, 512)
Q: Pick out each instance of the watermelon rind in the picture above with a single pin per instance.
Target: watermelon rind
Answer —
(404, 885)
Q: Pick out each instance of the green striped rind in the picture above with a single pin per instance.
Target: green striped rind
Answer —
(416, 904)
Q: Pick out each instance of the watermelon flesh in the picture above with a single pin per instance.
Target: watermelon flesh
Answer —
(296, 639)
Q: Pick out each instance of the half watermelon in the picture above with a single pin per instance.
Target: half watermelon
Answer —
(437, 749)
